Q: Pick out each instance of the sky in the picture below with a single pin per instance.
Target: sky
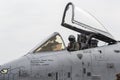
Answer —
(25, 23)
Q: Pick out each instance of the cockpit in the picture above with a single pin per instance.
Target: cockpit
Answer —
(85, 24)
(56, 43)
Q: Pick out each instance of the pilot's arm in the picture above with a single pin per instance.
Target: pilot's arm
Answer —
(77, 46)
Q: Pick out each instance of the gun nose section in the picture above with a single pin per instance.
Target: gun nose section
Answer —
(1, 78)
(3, 73)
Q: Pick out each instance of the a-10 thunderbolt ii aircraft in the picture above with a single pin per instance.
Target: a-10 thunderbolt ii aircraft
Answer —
(51, 60)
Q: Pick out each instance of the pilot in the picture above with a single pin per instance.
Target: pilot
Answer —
(82, 40)
(93, 43)
(73, 45)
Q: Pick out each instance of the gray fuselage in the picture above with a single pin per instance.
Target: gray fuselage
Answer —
(101, 63)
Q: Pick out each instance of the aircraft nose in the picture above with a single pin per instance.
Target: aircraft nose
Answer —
(12, 70)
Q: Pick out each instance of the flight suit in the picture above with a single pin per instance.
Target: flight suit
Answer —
(73, 46)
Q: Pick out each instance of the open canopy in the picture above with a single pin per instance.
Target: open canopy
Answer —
(81, 21)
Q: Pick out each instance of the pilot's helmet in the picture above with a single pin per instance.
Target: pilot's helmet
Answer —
(71, 38)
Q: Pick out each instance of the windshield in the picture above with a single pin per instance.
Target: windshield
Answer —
(54, 43)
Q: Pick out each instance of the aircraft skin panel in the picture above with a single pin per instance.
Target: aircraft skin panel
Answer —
(105, 62)
(15, 69)
(90, 64)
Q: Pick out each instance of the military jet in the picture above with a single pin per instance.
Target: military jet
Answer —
(84, 60)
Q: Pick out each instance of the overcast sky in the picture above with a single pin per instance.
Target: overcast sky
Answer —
(25, 23)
